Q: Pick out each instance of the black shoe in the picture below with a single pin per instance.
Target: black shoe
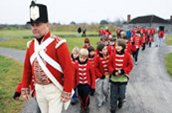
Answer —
(120, 104)
(87, 110)
(74, 102)
(112, 111)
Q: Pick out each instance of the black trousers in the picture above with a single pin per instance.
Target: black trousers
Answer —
(135, 54)
(84, 95)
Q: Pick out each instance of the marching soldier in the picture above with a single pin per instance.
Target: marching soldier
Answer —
(48, 60)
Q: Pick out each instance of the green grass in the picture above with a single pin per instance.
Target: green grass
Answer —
(10, 75)
(15, 33)
(28, 33)
(20, 43)
(169, 40)
(17, 43)
(168, 63)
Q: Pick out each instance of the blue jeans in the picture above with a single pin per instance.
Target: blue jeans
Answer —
(117, 92)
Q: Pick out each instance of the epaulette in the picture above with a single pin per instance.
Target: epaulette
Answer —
(58, 39)
(29, 43)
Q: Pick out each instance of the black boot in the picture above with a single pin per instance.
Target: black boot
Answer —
(87, 110)
(112, 111)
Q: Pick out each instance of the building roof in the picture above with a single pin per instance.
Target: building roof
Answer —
(148, 19)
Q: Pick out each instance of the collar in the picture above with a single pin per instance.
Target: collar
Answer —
(46, 36)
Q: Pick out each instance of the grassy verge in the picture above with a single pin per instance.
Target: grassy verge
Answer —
(10, 75)
(20, 43)
(28, 33)
(169, 40)
(168, 63)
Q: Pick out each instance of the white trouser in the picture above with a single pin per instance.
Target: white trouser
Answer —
(49, 98)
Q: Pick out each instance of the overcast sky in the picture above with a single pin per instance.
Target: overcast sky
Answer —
(65, 11)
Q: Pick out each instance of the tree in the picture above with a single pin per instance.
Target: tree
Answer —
(73, 23)
(104, 22)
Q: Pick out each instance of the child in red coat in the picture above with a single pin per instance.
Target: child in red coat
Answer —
(85, 79)
(120, 67)
(102, 73)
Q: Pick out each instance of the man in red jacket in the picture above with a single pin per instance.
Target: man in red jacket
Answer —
(48, 60)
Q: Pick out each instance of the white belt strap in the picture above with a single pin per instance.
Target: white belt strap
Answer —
(50, 61)
(38, 48)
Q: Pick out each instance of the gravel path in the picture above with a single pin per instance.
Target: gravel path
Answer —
(149, 89)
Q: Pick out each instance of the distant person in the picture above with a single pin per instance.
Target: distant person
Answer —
(86, 43)
(108, 33)
(136, 42)
(101, 32)
(84, 32)
(79, 31)
(48, 60)
(160, 38)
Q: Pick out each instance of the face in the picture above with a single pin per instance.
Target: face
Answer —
(87, 44)
(92, 53)
(40, 29)
(75, 54)
(104, 50)
(112, 43)
(82, 58)
(118, 48)
(138, 34)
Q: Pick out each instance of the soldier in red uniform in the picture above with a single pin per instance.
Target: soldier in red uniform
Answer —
(48, 60)
(137, 42)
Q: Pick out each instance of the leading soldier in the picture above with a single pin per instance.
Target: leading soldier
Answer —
(48, 60)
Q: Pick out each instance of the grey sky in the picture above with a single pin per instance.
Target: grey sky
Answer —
(65, 11)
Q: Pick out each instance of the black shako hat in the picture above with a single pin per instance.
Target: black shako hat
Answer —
(38, 13)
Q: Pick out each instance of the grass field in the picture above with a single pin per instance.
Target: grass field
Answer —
(20, 43)
(10, 75)
(27, 33)
(169, 40)
(168, 63)
(168, 57)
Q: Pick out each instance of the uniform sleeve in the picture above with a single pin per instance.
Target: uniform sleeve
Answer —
(97, 72)
(111, 62)
(129, 65)
(65, 62)
(27, 71)
(92, 76)
(18, 88)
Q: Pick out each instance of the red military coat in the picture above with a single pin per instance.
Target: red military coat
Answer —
(121, 62)
(85, 74)
(60, 55)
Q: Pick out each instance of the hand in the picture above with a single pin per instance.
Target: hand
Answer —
(121, 72)
(25, 97)
(16, 95)
(92, 92)
(65, 97)
(115, 72)
(107, 74)
(102, 77)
